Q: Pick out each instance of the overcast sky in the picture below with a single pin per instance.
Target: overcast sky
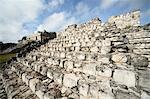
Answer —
(22, 17)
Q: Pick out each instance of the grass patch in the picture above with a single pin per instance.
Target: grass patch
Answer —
(6, 57)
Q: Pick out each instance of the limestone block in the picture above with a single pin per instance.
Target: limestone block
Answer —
(77, 48)
(69, 65)
(91, 57)
(44, 70)
(104, 60)
(104, 71)
(81, 56)
(32, 84)
(77, 64)
(125, 95)
(94, 49)
(70, 80)
(105, 49)
(106, 42)
(83, 89)
(139, 61)
(24, 77)
(58, 76)
(89, 68)
(98, 43)
(106, 96)
(104, 86)
(40, 94)
(144, 79)
(144, 95)
(93, 91)
(48, 96)
(119, 58)
(50, 60)
(124, 77)
(50, 73)
(63, 89)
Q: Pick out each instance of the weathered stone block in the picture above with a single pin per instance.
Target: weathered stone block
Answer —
(144, 95)
(70, 80)
(32, 84)
(104, 71)
(104, 60)
(105, 49)
(94, 49)
(144, 79)
(124, 77)
(83, 89)
(48, 96)
(125, 95)
(50, 73)
(139, 61)
(119, 58)
(106, 96)
(40, 94)
(89, 68)
(69, 65)
(81, 56)
(106, 42)
(58, 77)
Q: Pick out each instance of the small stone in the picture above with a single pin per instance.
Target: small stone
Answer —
(62, 55)
(94, 49)
(81, 56)
(106, 42)
(105, 49)
(119, 58)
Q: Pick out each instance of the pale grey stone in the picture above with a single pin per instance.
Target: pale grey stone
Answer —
(81, 56)
(144, 95)
(40, 94)
(144, 79)
(70, 80)
(124, 77)
(105, 49)
(94, 49)
(89, 68)
(32, 84)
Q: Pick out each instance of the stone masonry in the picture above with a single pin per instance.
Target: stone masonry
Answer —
(93, 60)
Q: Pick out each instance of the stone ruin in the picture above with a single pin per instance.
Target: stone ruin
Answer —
(93, 60)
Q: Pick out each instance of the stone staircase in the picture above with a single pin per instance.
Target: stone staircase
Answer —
(89, 61)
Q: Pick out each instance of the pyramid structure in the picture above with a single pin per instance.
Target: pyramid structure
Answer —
(93, 60)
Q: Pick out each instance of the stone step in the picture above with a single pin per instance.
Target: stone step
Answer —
(3, 94)
(15, 88)
(42, 86)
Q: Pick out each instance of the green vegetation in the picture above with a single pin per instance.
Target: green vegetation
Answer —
(6, 57)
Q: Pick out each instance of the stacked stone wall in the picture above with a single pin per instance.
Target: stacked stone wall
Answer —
(126, 20)
(88, 61)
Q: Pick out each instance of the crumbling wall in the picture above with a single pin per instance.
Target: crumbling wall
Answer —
(126, 20)
(90, 61)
